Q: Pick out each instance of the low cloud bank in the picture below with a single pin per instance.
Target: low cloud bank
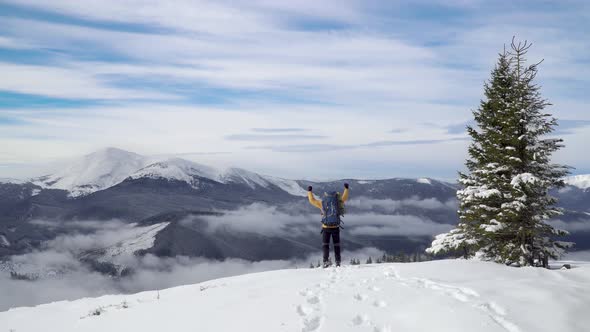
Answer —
(271, 221)
(391, 206)
(572, 226)
(63, 277)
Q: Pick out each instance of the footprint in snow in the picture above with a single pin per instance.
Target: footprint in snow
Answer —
(313, 300)
(312, 324)
(360, 320)
(374, 288)
(380, 304)
(383, 328)
(360, 297)
(303, 310)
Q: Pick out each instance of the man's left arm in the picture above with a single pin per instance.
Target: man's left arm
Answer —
(345, 193)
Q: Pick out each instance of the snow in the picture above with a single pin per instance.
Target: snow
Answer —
(365, 182)
(94, 172)
(453, 295)
(4, 241)
(111, 166)
(580, 181)
(184, 170)
(289, 186)
(11, 180)
(143, 238)
(471, 193)
(523, 178)
(179, 170)
(494, 226)
(424, 181)
(239, 175)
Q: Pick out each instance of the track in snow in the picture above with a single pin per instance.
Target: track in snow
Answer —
(461, 294)
(368, 299)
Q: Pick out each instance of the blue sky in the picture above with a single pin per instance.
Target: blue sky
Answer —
(299, 89)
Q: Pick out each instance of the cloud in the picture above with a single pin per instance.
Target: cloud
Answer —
(263, 219)
(416, 142)
(390, 219)
(568, 127)
(272, 137)
(336, 147)
(390, 206)
(302, 147)
(393, 225)
(398, 130)
(572, 226)
(64, 277)
(279, 130)
(583, 256)
(353, 70)
(64, 82)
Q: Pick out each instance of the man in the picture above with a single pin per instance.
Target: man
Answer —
(332, 207)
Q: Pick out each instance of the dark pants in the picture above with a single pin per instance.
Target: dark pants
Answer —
(334, 233)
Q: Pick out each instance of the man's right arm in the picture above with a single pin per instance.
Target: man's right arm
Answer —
(312, 200)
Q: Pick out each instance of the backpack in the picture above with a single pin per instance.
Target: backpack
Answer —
(332, 209)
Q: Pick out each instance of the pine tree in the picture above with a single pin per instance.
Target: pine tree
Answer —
(480, 199)
(505, 201)
(369, 260)
(532, 238)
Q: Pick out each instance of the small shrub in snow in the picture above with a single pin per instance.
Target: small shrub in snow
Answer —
(97, 312)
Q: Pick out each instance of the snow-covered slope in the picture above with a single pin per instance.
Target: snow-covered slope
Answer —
(580, 181)
(93, 172)
(190, 172)
(177, 169)
(253, 180)
(137, 238)
(435, 296)
(11, 180)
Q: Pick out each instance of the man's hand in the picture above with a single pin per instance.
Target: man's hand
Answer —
(346, 185)
(309, 188)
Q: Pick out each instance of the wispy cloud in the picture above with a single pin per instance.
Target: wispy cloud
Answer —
(415, 142)
(271, 137)
(336, 147)
(348, 72)
(279, 130)
(569, 127)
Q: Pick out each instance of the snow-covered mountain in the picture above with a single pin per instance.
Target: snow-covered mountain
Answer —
(11, 180)
(177, 169)
(108, 167)
(452, 295)
(579, 181)
(94, 172)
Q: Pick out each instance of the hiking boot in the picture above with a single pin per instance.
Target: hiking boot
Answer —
(327, 264)
(337, 264)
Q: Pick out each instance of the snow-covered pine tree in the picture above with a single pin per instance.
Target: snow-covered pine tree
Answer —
(505, 201)
(533, 174)
(481, 197)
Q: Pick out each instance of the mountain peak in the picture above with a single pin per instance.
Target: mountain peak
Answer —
(95, 171)
(112, 151)
(177, 169)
